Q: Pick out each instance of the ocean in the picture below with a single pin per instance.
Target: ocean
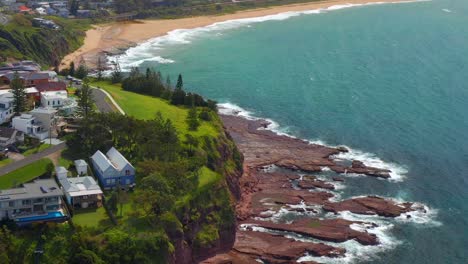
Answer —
(387, 80)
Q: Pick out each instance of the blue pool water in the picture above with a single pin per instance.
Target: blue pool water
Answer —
(48, 216)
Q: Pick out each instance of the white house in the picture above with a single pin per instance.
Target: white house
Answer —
(81, 167)
(54, 98)
(37, 123)
(61, 172)
(6, 107)
(113, 169)
(27, 124)
(81, 192)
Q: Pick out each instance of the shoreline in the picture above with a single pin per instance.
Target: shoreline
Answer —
(114, 38)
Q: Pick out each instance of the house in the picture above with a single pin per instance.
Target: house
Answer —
(9, 136)
(63, 12)
(84, 13)
(6, 106)
(27, 124)
(39, 201)
(41, 11)
(113, 169)
(51, 86)
(81, 192)
(38, 123)
(81, 167)
(54, 99)
(29, 79)
(24, 9)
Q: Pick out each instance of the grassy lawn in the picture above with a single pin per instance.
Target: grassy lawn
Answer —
(24, 174)
(41, 147)
(5, 162)
(145, 107)
(91, 217)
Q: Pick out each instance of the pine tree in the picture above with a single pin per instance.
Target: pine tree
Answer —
(74, 7)
(116, 75)
(100, 68)
(180, 82)
(81, 72)
(71, 72)
(19, 94)
(85, 101)
(192, 119)
(168, 83)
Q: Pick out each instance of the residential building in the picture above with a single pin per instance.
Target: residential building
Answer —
(9, 136)
(54, 99)
(113, 169)
(6, 106)
(39, 201)
(81, 192)
(81, 167)
(37, 123)
(29, 79)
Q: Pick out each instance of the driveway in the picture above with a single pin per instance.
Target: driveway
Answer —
(30, 159)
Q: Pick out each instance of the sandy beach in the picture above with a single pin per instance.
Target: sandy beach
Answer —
(121, 35)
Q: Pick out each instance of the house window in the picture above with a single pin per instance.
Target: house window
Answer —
(48, 102)
(26, 202)
(84, 196)
(58, 102)
(53, 102)
(128, 181)
(11, 204)
(127, 172)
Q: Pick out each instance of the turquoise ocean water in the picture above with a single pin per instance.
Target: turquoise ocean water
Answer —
(389, 81)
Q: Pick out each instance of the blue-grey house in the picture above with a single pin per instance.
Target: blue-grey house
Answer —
(113, 169)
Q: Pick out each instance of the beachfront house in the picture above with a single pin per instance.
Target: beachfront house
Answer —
(81, 167)
(80, 192)
(39, 201)
(113, 169)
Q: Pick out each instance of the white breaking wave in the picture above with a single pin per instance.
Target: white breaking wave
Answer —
(397, 174)
(447, 10)
(146, 51)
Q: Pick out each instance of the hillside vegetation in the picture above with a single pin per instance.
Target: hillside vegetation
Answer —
(20, 40)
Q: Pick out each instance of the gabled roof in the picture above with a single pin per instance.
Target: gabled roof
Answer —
(117, 159)
(61, 170)
(80, 163)
(51, 86)
(101, 160)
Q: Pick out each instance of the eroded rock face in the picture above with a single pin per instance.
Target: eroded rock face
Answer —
(252, 245)
(370, 205)
(265, 192)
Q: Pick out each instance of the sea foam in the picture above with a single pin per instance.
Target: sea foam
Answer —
(397, 174)
(147, 51)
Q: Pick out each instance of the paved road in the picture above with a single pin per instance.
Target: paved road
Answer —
(104, 106)
(30, 159)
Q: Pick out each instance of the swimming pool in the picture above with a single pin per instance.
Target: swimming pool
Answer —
(48, 216)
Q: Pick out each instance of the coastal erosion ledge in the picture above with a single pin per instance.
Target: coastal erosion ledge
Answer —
(277, 180)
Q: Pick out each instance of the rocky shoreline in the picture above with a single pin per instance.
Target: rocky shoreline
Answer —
(267, 191)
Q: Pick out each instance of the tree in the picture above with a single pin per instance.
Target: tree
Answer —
(82, 71)
(85, 101)
(71, 72)
(192, 119)
(191, 142)
(180, 82)
(100, 68)
(19, 94)
(116, 75)
(168, 82)
(113, 202)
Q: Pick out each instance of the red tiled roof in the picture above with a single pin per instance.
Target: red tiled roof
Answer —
(24, 8)
(51, 86)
